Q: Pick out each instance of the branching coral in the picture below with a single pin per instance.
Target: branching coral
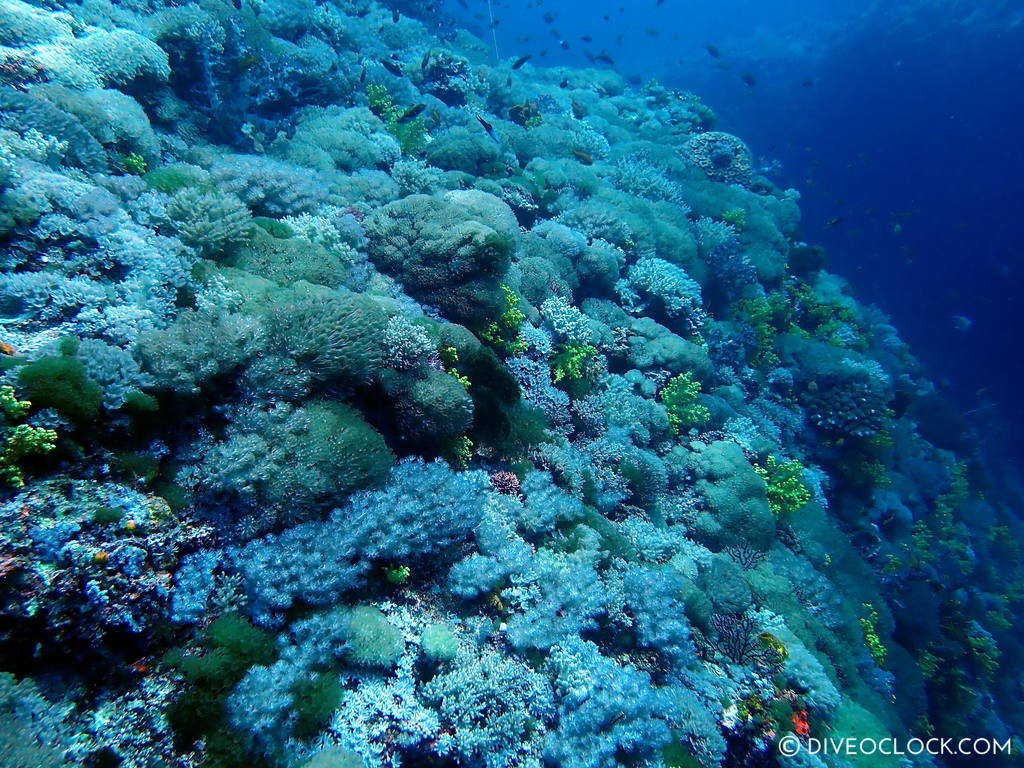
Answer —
(786, 489)
(680, 399)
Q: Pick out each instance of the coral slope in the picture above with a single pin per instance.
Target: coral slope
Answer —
(367, 402)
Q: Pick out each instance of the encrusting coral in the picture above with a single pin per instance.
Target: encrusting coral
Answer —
(369, 402)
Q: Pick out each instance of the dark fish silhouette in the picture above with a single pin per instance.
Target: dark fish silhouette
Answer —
(426, 58)
(392, 67)
(583, 157)
(587, 39)
(395, 15)
(749, 79)
(549, 18)
(712, 50)
(488, 127)
(835, 221)
(605, 58)
(412, 113)
(521, 60)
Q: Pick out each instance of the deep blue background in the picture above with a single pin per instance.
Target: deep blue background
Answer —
(901, 120)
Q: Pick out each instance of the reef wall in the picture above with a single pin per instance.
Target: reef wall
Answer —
(369, 402)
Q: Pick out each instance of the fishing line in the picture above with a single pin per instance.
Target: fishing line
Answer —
(494, 34)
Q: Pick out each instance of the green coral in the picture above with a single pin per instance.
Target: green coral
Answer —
(135, 164)
(411, 135)
(449, 359)
(231, 646)
(679, 396)
(460, 452)
(21, 441)
(737, 217)
(786, 490)
(11, 405)
(504, 332)
(60, 383)
(397, 575)
(570, 360)
(373, 640)
(18, 441)
(315, 701)
(869, 628)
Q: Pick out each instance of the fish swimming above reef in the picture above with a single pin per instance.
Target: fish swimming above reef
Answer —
(488, 128)
(411, 113)
(521, 60)
(392, 67)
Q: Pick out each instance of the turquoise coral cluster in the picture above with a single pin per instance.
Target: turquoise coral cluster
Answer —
(368, 402)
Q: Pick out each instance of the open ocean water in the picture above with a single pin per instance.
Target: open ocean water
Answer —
(494, 384)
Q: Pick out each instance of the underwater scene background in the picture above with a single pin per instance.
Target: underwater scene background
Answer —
(509, 385)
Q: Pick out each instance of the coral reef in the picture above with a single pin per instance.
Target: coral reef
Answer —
(367, 402)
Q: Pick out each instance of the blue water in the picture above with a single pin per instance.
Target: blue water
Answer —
(897, 122)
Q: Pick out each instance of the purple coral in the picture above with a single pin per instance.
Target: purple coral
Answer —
(506, 483)
(721, 156)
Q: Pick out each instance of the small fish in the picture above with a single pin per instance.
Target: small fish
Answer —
(563, 45)
(544, 52)
(577, 110)
(488, 127)
(463, 3)
(897, 229)
(521, 60)
(660, 2)
(605, 58)
(652, 31)
(583, 157)
(392, 67)
(587, 39)
(426, 58)
(6, 349)
(835, 221)
(549, 18)
(247, 63)
(395, 15)
(748, 78)
(412, 113)
(362, 75)
(712, 50)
